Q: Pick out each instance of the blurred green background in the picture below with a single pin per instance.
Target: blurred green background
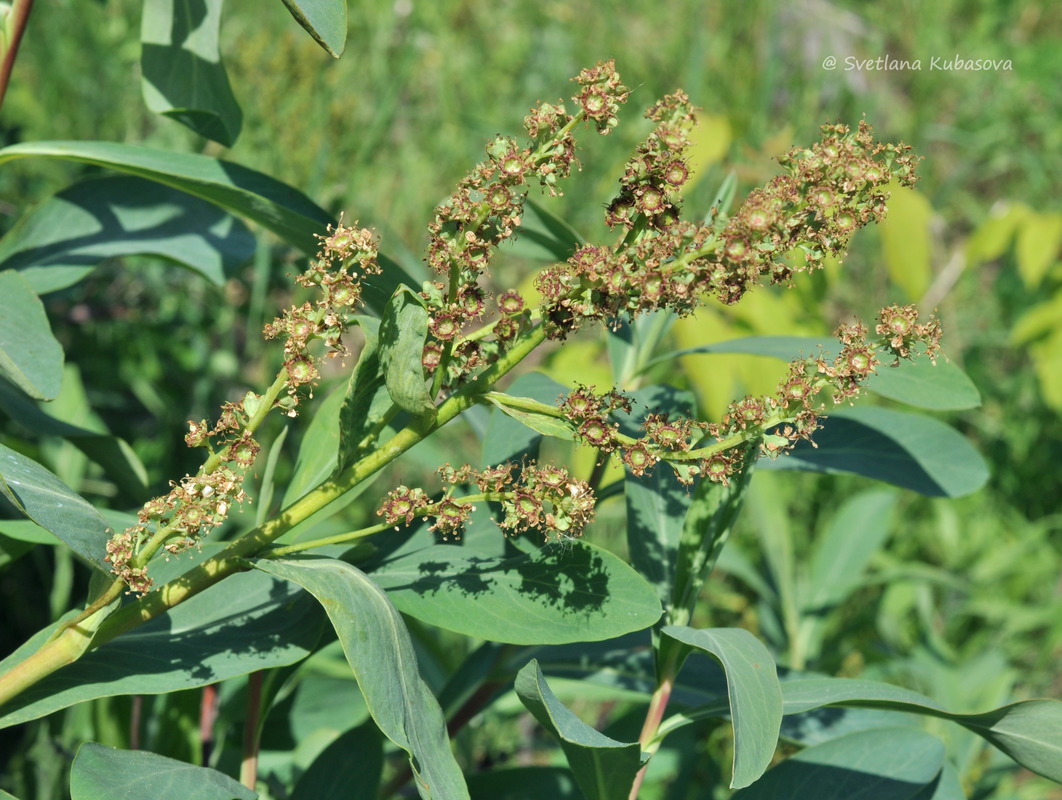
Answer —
(969, 603)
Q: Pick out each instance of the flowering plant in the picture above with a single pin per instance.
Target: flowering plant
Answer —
(435, 352)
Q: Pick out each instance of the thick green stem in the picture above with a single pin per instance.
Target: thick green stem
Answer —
(72, 642)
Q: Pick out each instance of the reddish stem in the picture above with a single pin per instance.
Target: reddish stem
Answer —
(16, 26)
(249, 765)
(208, 714)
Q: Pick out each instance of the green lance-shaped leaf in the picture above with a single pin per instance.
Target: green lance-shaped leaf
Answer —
(115, 455)
(367, 402)
(274, 205)
(324, 20)
(402, 333)
(181, 73)
(280, 208)
(508, 437)
(705, 531)
(62, 240)
(603, 767)
(523, 410)
(379, 651)
(1030, 731)
(908, 450)
(755, 696)
(50, 503)
(657, 502)
(544, 236)
(104, 773)
(570, 593)
(248, 622)
(30, 357)
(880, 764)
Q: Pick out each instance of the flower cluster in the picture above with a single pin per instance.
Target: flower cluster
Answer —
(828, 191)
(537, 497)
(347, 256)
(777, 421)
(486, 209)
(197, 504)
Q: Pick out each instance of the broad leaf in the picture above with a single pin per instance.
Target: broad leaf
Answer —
(706, 528)
(247, 622)
(603, 767)
(30, 357)
(402, 334)
(881, 764)
(276, 206)
(755, 696)
(656, 502)
(380, 653)
(563, 593)
(50, 503)
(64, 238)
(324, 20)
(1030, 731)
(104, 773)
(181, 73)
(908, 450)
(348, 769)
(923, 384)
(115, 455)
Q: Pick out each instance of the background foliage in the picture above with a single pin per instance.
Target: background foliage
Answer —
(961, 601)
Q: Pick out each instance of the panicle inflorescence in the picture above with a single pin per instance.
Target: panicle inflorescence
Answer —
(533, 496)
(347, 256)
(487, 208)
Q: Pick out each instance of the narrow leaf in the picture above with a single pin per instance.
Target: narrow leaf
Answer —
(537, 420)
(54, 506)
(754, 694)
(908, 450)
(603, 767)
(380, 653)
(104, 773)
(543, 236)
(274, 205)
(402, 333)
(508, 439)
(880, 764)
(1030, 731)
(840, 556)
(367, 403)
(64, 238)
(30, 357)
(324, 20)
(182, 76)
(570, 593)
